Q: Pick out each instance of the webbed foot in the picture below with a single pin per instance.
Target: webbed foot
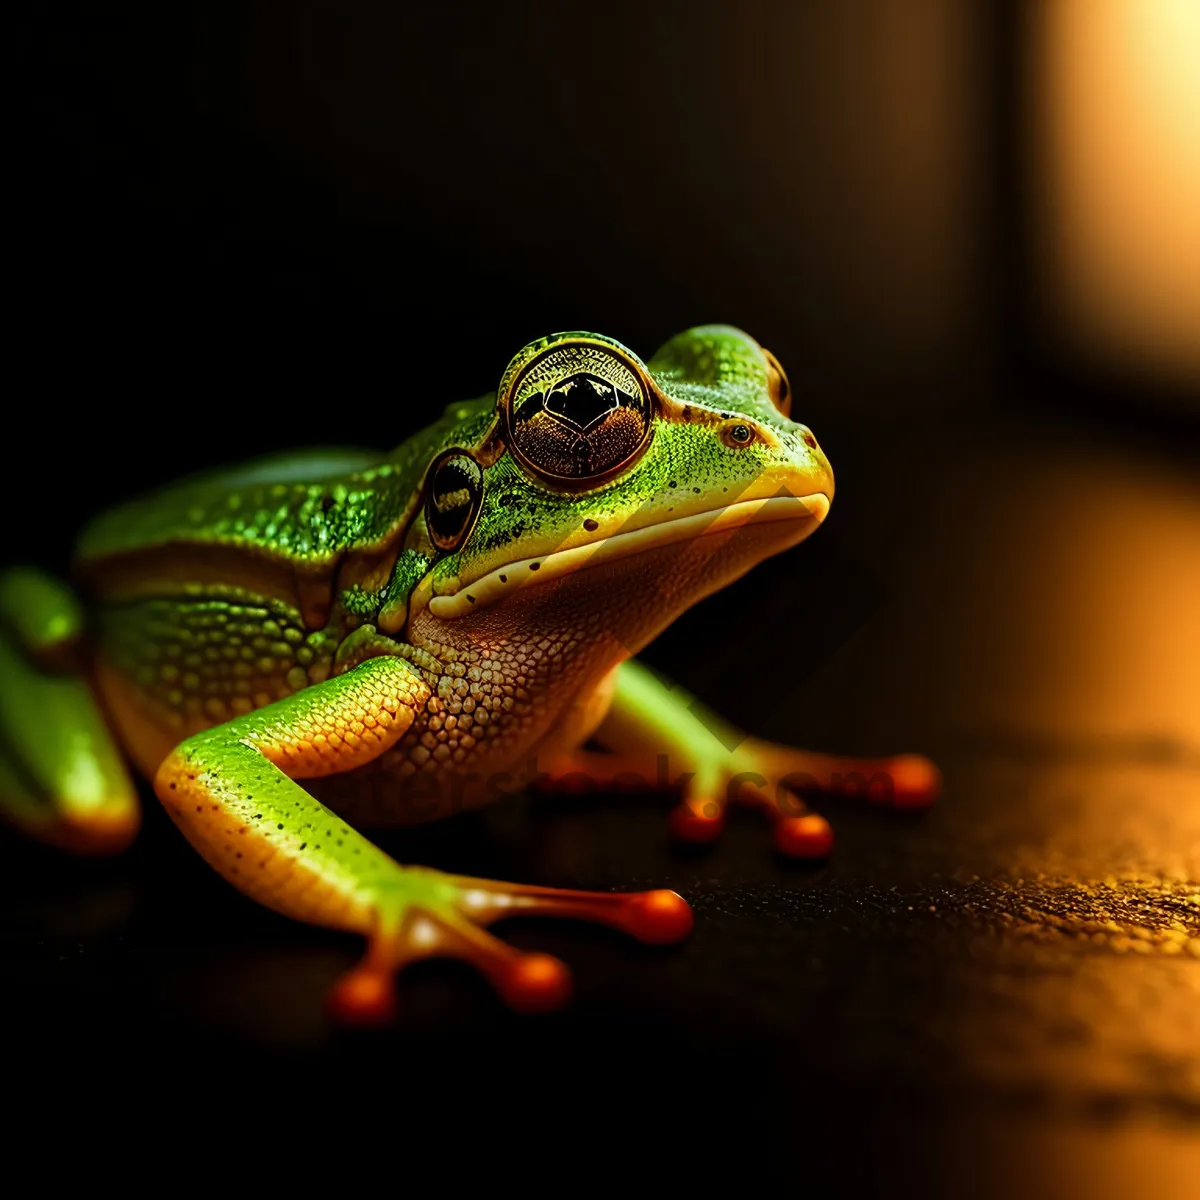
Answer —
(445, 916)
(658, 737)
(774, 780)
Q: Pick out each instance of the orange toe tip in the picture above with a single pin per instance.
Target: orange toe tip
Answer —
(809, 836)
(916, 781)
(689, 826)
(536, 983)
(659, 917)
(364, 997)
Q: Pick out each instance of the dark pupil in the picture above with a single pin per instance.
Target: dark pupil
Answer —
(741, 433)
(583, 400)
(580, 427)
(453, 498)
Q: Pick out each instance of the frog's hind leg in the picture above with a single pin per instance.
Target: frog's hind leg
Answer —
(62, 778)
(232, 791)
(662, 735)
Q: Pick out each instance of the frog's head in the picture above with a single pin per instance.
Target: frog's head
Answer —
(612, 493)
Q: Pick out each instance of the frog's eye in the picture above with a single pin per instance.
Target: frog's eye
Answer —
(777, 385)
(452, 498)
(578, 410)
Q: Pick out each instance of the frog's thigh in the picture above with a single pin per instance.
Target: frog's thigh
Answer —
(62, 778)
(231, 790)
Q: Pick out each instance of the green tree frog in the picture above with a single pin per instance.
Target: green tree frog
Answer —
(331, 639)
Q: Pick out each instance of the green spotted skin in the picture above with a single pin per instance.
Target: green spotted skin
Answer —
(215, 657)
(201, 651)
(305, 509)
(327, 559)
(713, 374)
(412, 633)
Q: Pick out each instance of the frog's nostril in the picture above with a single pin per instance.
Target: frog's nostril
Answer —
(809, 440)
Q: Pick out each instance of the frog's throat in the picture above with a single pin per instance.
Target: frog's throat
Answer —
(807, 511)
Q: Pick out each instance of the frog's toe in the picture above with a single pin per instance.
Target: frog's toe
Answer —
(657, 917)
(697, 822)
(797, 831)
(809, 836)
(917, 781)
(366, 995)
(904, 781)
(452, 926)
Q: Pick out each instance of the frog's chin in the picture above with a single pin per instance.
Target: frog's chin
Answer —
(802, 515)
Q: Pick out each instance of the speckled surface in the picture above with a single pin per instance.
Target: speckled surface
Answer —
(1003, 994)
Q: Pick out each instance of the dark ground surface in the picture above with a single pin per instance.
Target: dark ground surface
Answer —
(1000, 996)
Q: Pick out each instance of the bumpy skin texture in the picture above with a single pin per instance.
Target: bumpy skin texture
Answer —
(421, 633)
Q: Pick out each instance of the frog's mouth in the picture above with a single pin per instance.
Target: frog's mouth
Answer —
(807, 512)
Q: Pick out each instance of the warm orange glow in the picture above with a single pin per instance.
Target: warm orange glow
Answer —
(1119, 135)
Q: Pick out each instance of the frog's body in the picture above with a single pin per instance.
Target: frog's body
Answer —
(422, 632)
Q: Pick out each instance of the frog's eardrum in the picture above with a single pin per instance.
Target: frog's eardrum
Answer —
(453, 498)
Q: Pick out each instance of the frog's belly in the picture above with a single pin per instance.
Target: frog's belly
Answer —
(408, 785)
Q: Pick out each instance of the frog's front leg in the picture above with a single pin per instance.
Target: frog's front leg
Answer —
(62, 778)
(662, 735)
(231, 790)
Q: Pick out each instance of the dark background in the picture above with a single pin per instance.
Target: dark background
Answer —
(373, 206)
(244, 227)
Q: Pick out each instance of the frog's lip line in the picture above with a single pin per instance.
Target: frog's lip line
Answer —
(502, 581)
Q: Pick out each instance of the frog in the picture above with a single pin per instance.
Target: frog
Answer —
(321, 641)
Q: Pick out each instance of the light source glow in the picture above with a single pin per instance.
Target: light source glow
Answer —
(1118, 113)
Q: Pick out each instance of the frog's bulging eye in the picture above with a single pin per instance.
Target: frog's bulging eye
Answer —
(452, 498)
(777, 385)
(578, 411)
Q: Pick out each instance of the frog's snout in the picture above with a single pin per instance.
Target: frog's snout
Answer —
(813, 468)
(824, 475)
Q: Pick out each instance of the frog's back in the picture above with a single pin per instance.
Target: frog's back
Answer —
(303, 507)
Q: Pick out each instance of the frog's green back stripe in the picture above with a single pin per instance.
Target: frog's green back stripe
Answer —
(286, 508)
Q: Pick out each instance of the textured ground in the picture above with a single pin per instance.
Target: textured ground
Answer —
(1002, 995)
